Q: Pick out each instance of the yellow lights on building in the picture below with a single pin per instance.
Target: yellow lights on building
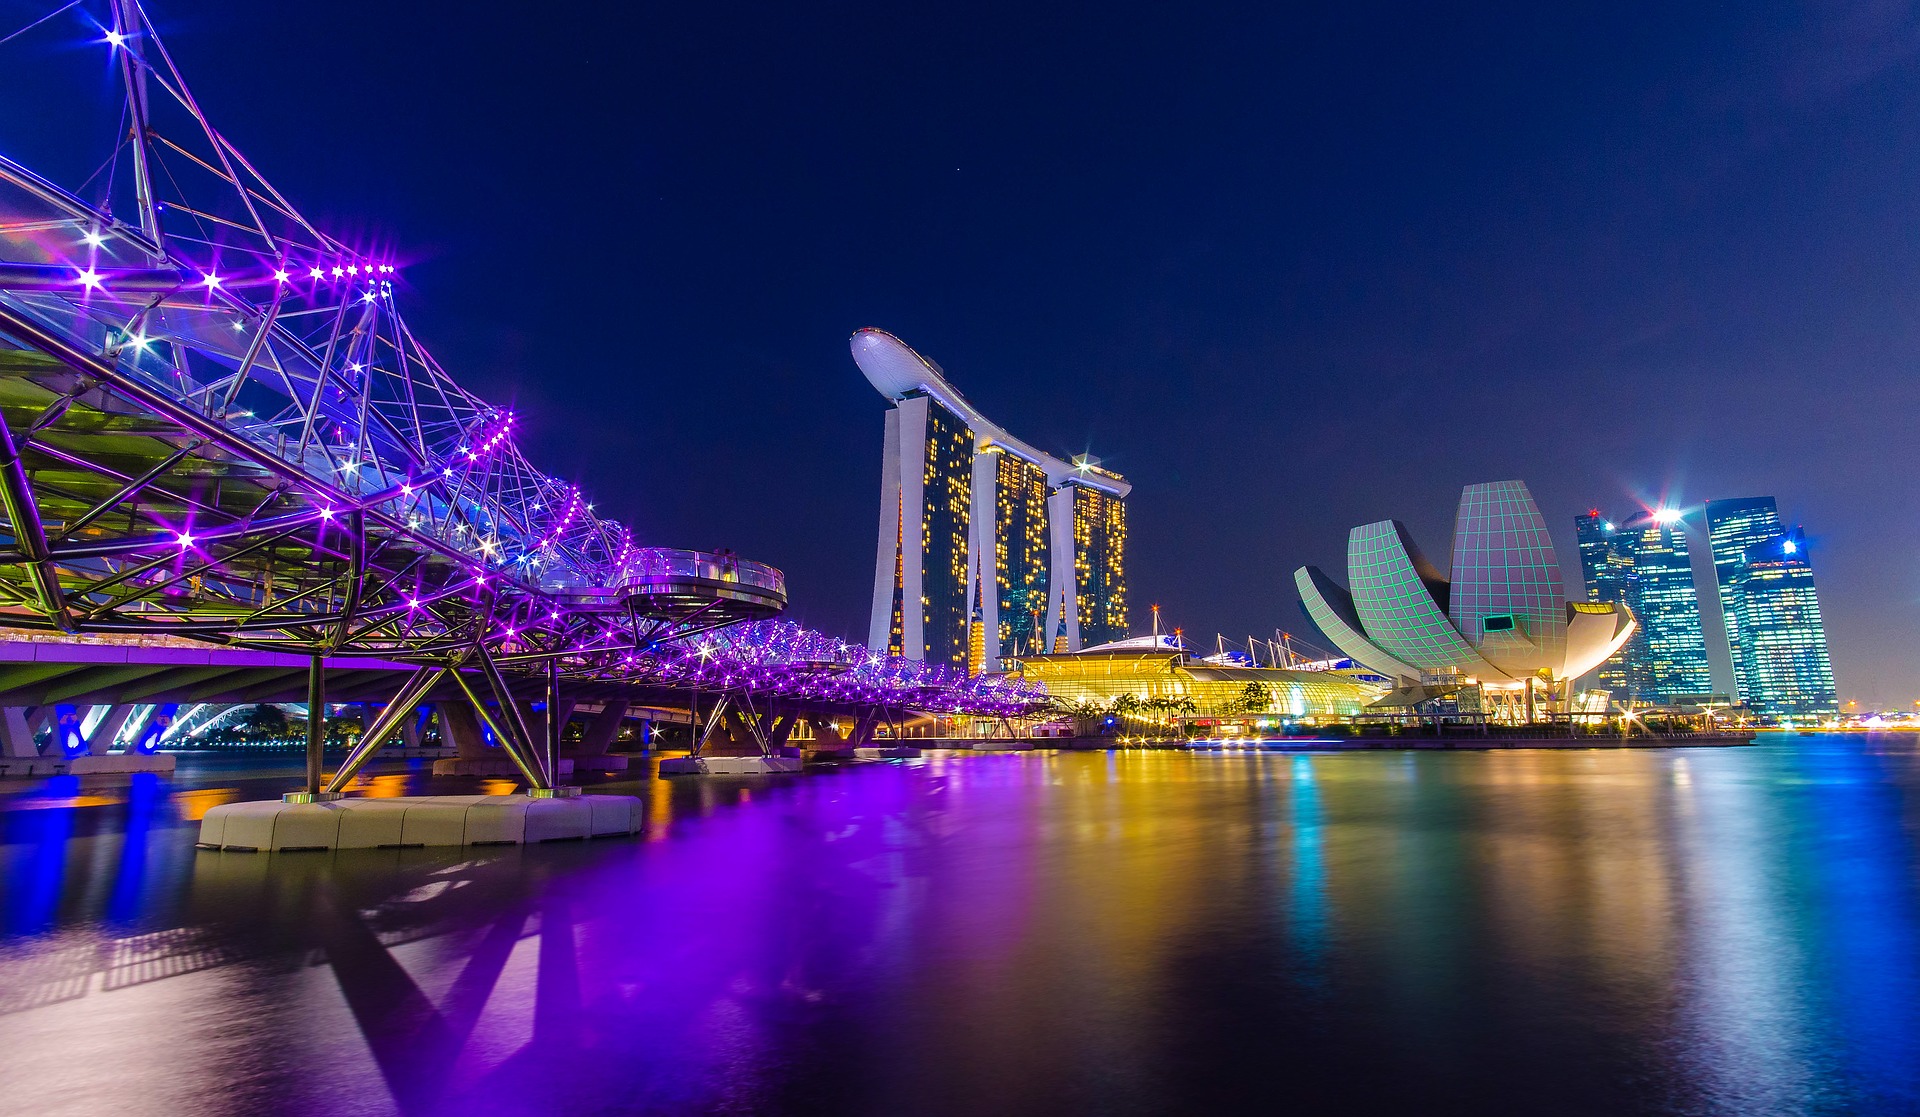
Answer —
(1099, 565)
(1100, 677)
(1021, 552)
(969, 510)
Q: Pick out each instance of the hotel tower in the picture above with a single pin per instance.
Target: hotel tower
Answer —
(987, 547)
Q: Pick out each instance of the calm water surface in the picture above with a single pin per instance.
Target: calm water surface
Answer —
(1692, 931)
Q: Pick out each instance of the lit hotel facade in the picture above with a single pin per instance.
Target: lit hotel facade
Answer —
(986, 546)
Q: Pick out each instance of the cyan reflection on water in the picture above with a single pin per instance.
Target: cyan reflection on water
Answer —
(1688, 931)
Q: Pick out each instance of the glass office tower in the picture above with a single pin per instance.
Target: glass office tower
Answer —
(1608, 573)
(1644, 564)
(1775, 632)
(1733, 526)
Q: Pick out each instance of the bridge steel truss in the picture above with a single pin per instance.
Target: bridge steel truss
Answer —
(215, 424)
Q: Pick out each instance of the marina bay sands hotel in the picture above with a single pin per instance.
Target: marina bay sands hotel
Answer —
(987, 547)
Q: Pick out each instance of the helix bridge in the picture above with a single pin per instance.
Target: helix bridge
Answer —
(219, 427)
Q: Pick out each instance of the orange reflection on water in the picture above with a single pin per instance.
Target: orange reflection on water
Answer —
(194, 805)
(382, 787)
(71, 801)
(498, 787)
(660, 811)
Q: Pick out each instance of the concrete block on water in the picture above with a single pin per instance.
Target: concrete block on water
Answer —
(428, 820)
(121, 762)
(552, 820)
(242, 825)
(306, 826)
(614, 814)
(728, 765)
(440, 821)
(370, 823)
(602, 763)
(497, 820)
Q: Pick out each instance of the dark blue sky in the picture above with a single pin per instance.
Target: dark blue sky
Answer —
(1290, 270)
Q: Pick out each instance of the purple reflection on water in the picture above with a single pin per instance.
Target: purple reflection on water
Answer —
(1593, 932)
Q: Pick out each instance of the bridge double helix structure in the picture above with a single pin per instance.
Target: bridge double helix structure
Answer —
(219, 428)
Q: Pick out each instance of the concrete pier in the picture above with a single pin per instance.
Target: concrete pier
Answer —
(426, 820)
(728, 765)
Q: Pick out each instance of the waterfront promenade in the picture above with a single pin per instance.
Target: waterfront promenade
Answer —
(1694, 930)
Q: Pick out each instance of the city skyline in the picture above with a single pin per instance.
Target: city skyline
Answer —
(1258, 320)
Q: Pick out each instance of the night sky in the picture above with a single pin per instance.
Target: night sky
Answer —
(1289, 271)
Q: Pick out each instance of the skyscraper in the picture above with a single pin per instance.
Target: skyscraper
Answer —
(986, 545)
(1644, 564)
(1020, 546)
(1099, 523)
(926, 506)
(1775, 632)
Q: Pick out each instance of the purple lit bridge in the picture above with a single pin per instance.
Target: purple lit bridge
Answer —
(220, 434)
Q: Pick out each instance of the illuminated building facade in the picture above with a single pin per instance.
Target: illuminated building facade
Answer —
(1162, 672)
(1099, 521)
(1644, 564)
(1501, 618)
(985, 545)
(1775, 632)
(1021, 550)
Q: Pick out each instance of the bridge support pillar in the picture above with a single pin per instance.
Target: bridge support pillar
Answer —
(410, 731)
(37, 719)
(136, 725)
(459, 728)
(316, 722)
(100, 741)
(604, 727)
(16, 733)
(598, 736)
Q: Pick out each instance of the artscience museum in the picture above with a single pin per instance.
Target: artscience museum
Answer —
(1501, 617)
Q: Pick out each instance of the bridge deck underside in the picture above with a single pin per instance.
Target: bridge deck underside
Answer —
(257, 678)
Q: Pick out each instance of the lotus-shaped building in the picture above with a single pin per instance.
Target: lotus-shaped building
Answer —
(1502, 618)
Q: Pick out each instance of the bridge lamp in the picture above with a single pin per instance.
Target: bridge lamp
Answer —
(92, 238)
(281, 276)
(89, 279)
(212, 281)
(185, 540)
(316, 273)
(326, 513)
(116, 40)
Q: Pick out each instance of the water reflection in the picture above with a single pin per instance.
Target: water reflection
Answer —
(1596, 932)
